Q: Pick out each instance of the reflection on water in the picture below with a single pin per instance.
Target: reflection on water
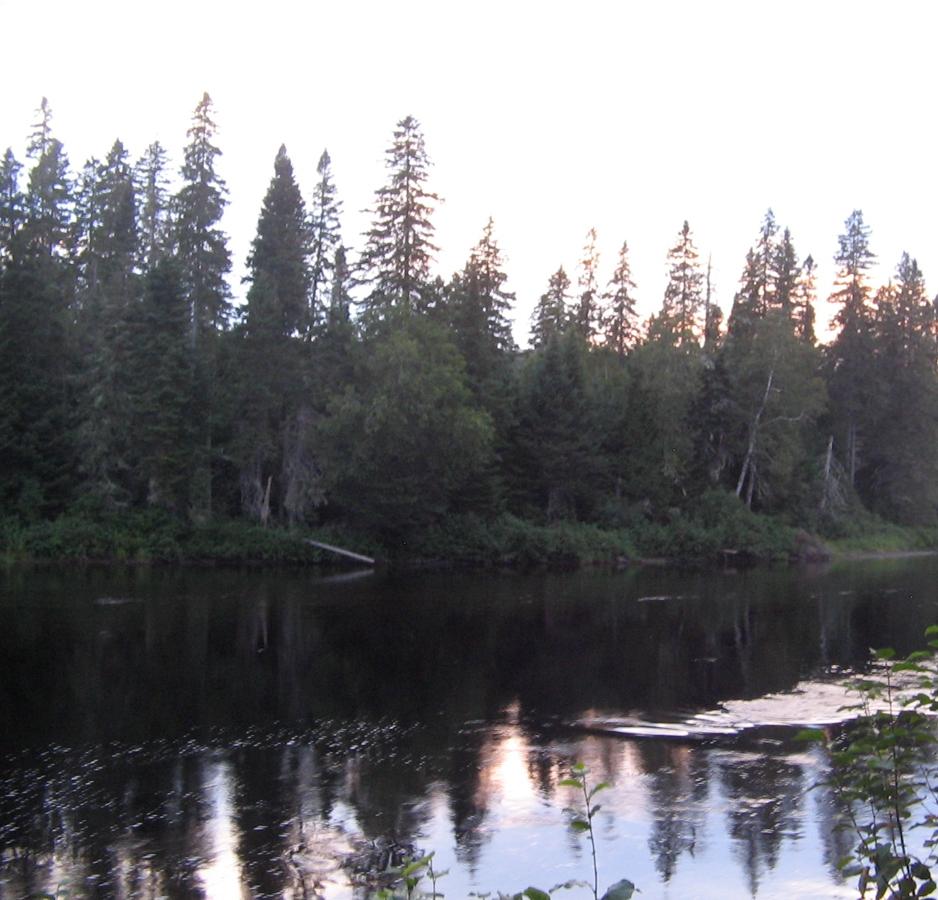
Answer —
(189, 733)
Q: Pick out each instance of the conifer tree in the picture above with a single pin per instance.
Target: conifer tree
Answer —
(805, 298)
(12, 204)
(108, 291)
(477, 307)
(325, 241)
(200, 247)
(551, 314)
(585, 316)
(152, 189)
(200, 244)
(399, 246)
(48, 196)
(272, 447)
(619, 316)
(786, 271)
(850, 356)
(163, 387)
(281, 248)
(678, 319)
(900, 474)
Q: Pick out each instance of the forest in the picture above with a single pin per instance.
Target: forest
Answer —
(354, 390)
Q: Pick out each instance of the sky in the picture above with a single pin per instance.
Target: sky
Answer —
(552, 118)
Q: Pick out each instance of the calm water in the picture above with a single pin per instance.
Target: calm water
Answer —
(188, 733)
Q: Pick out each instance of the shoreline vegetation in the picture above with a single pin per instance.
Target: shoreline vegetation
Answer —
(734, 538)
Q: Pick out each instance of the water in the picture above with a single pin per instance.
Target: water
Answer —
(198, 733)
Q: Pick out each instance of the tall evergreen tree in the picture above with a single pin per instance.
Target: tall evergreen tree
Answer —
(273, 446)
(680, 311)
(586, 313)
(399, 246)
(200, 244)
(12, 204)
(48, 196)
(325, 241)
(551, 314)
(850, 356)
(201, 248)
(900, 474)
(163, 387)
(477, 307)
(805, 298)
(108, 291)
(152, 188)
(619, 316)
(281, 248)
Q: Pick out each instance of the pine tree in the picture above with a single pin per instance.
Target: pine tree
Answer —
(152, 189)
(619, 316)
(399, 246)
(680, 311)
(551, 314)
(586, 314)
(325, 241)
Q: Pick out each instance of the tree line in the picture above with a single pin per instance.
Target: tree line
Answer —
(359, 388)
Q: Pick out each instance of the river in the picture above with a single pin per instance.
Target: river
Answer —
(225, 734)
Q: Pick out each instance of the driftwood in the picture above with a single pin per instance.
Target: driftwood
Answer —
(348, 553)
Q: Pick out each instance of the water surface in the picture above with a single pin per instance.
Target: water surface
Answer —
(193, 733)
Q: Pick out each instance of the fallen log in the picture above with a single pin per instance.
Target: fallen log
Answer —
(358, 557)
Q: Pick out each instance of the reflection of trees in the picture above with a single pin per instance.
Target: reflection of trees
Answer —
(678, 795)
(764, 796)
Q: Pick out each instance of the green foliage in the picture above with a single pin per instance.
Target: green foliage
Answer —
(883, 774)
(508, 540)
(716, 522)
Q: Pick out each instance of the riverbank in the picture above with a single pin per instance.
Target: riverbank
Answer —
(715, 530)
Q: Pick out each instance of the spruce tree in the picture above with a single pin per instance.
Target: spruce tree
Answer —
(900, 475)
(805, 298)
(152, 189)
(281, 248)
(586, 313)
(49, 194)
(107, 295)
(551, 314)
(477, 310)
(201, 249)
(680, 311)
(163, 387)
(399, 246)
(12, 204)
(325, 241)
(619, 316)
(850, 356)
(277, 475)
(200, 244)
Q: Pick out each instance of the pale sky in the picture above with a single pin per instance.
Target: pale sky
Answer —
(551, 117)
